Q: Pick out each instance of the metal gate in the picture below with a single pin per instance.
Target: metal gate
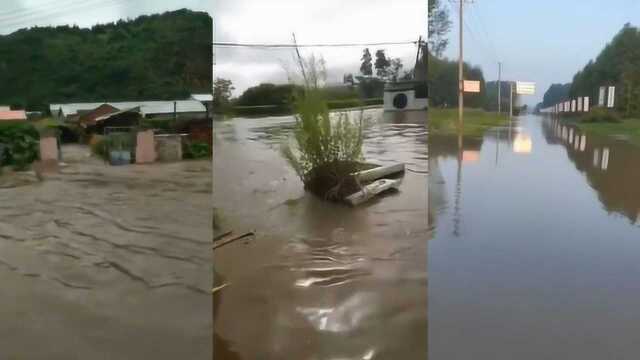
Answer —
(120, 145)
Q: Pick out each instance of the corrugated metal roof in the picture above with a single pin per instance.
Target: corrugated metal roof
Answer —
(202, 97)
(13, 115)
(146, 107)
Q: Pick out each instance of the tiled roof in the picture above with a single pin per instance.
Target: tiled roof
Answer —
(146, 107)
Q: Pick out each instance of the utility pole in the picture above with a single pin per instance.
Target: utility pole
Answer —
(510, 100)
(499, 88)
(460, 74)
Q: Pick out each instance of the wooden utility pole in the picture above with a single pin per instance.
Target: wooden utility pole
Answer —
(460, 72)
(499, 88)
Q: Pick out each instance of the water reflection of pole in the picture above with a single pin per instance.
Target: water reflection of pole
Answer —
(458, 194)
(497, 144)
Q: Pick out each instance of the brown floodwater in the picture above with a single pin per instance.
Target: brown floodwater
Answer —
(319, 280)
(535, 251)
(102, 262)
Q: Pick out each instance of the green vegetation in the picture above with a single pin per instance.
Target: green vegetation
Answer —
(326, 150)
(556, 94)
(600, 115)
(19, 145)
(628, 128)
(476, 121)
(616, 65)
(196, 150)
(157, 57)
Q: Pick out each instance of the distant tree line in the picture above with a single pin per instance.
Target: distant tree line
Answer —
(617, 65)
(157, 57)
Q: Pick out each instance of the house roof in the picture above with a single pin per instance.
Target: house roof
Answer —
(146, 107)
(202, 97)
(13, 115)
(108, 116)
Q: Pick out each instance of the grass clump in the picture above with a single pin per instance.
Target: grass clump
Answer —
(476, 121)
(601, 115)
(326, 149)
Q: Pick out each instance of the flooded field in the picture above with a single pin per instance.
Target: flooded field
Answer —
(102, 262)
(535, 251)
(320, 280)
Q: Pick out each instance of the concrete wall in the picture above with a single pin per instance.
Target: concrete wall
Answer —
(145, 147)
(168, 147)
(412, 102)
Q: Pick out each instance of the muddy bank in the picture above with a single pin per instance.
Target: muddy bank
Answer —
(107, 262)
(325, 281)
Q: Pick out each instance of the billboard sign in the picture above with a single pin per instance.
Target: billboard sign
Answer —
(525, 88)
(471, 86)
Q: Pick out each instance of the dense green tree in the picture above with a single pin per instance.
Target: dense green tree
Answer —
(556, 94)
(382, 64)
(156, 57)
(439, 26)
(394, 69)
(617, 65)
(443, 83)
(366, 67)
(222, 92)
(268, 94)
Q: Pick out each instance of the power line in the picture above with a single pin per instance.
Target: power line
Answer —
(478, 17)
(256, 45)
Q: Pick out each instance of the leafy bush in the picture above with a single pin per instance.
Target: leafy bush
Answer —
(21, 142)
(327, 151)
(196, 150)
(601, 115)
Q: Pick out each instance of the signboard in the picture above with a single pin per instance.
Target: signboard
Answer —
(585, 106)
(601, 96)
(612, 97)
(471, 86)
(525, 88)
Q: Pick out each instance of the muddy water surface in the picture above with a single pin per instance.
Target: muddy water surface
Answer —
(101, 262)
(320, 280)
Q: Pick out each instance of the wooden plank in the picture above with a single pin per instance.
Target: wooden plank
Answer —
(221, 243)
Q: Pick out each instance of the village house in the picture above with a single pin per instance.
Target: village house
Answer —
(156, 110)
(206, 100)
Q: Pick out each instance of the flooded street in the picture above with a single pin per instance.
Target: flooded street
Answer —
(102, 262)
(535, 251)
(320, 280)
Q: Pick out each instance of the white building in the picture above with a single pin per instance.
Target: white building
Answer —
(406, 96)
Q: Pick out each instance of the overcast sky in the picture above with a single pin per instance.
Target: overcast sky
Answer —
(16, 14)
(545, 41)
(328, 21)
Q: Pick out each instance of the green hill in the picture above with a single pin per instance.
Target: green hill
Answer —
(157, 57)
